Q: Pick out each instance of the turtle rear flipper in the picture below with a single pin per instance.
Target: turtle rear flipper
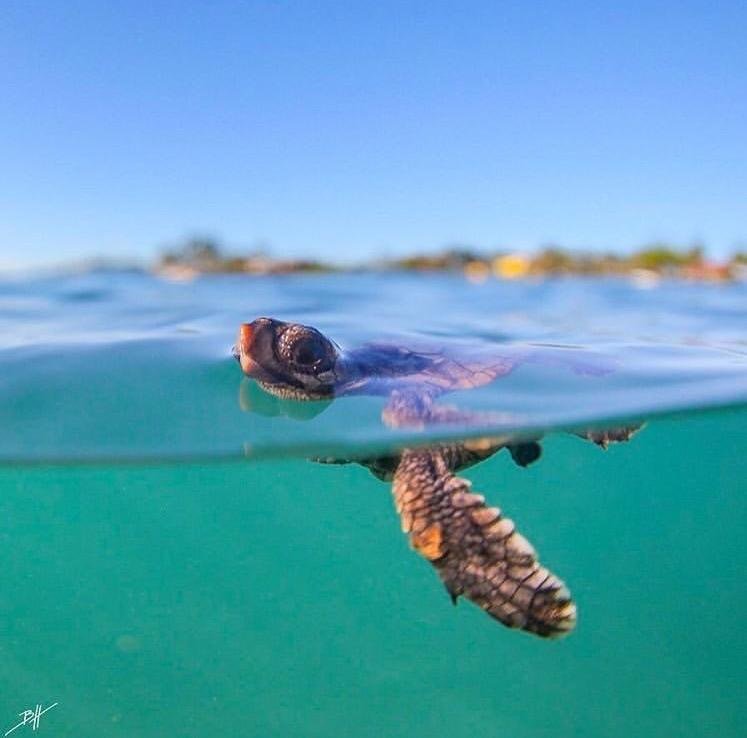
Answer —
(477, 552)
(525, 453)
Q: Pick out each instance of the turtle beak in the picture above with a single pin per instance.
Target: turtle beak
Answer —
(243, 347)
(243, 341)
(246, 332)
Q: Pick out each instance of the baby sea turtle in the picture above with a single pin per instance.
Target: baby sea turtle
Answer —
(476, 550)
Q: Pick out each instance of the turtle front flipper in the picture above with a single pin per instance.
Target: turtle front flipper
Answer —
(477, 552)
(604, 436)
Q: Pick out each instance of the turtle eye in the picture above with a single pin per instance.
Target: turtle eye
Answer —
(308, 351)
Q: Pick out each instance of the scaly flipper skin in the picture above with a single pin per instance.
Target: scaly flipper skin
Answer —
(604, 436)
(477, 552)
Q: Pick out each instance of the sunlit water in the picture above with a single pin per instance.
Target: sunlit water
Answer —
(172, 565)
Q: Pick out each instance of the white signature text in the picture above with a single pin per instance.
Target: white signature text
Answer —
(31, 717)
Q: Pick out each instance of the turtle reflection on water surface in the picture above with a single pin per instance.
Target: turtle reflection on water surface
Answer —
(476, 550)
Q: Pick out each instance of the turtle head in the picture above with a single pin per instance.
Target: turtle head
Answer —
(288, 360)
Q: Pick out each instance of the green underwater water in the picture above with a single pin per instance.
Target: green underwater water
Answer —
(279, 598)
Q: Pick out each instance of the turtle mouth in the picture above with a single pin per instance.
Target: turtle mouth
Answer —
(288, 392)
(248, 365)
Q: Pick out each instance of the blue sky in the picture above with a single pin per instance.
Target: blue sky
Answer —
(350, 129)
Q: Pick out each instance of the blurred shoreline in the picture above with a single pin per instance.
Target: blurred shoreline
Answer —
(647, 264)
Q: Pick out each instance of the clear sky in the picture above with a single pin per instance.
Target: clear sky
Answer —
(351, 129)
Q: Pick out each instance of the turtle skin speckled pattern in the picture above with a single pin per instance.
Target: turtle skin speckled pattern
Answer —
(476, 550)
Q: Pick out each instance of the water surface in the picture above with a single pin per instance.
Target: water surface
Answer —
(128, 367)
(197, 575)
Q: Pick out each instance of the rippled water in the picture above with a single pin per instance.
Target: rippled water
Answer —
(217, 581)
(129, 367)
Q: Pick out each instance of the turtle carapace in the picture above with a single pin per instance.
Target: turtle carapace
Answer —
(475, 548)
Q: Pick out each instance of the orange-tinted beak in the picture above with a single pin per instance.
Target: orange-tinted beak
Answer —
(242, 349)
(245, 337)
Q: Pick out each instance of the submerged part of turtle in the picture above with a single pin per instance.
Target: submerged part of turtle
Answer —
(476, 550)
